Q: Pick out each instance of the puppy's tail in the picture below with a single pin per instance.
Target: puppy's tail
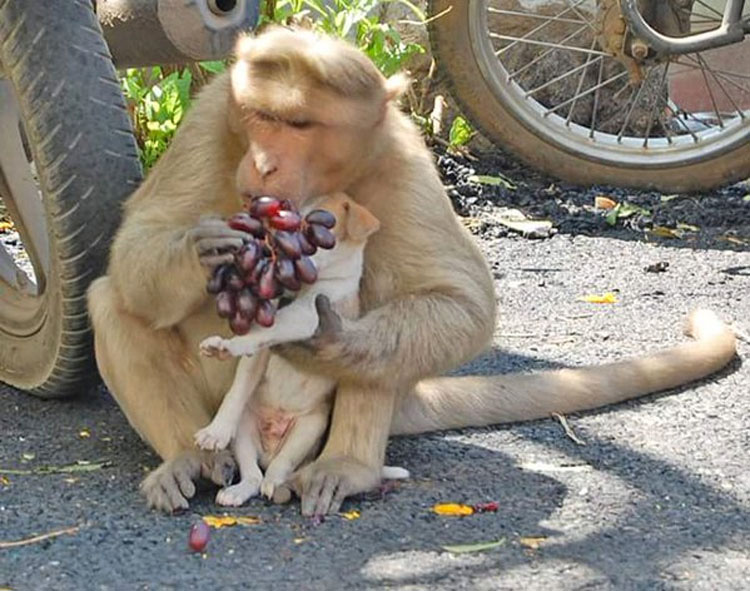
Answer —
(474, 401)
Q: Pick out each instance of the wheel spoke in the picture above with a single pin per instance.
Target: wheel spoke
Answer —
(536, 29)
(580, 84)
(541, 44)
(531, 15)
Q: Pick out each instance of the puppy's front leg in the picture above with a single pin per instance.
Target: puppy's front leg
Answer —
(295, 322)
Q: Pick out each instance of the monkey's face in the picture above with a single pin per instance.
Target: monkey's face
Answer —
(297, 157)
(309, 109)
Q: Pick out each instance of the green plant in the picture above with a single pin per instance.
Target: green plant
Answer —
(157, 100)
(460, 134)
(358, 21)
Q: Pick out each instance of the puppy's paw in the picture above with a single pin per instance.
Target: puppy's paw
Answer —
(213, 438)
(215, 346)
(238, 494)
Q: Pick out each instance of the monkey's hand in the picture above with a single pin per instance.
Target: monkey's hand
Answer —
(325, 345)
(324, 484)
(215, 241)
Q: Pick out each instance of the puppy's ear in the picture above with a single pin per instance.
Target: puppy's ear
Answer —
(360, 223)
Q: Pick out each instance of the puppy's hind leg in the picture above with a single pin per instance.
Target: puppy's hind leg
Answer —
(245, 449)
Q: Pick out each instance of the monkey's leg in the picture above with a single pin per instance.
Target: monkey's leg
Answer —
(299, 444)
(161, 390)
(245, 449)
(352, 459)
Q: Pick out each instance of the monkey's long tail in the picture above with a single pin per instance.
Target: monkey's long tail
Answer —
(474, 401)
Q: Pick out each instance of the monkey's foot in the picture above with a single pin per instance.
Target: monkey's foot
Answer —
(215, 346)
(214, 437)
(324, 484)
(169, 487)
(237, 494)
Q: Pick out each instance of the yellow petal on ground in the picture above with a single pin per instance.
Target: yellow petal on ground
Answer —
(4, 480)
(84, 434)
(604, 202)
(6, 226)
(452, 509)
(219, 521)
(299, 540)
(351, 515)
(605, 298)
(532, 542)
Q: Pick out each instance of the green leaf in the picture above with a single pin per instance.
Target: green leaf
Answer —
(215, 67)
(493, 180)
(479, 547)
(460, 132)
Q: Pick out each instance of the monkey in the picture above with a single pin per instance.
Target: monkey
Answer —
(299, 114)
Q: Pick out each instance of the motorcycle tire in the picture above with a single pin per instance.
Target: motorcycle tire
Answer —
(74, 127)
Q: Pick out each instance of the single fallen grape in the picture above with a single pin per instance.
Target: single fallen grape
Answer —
(265, 207)
(321, 217)
(266, 313)
(306, 269)
(288, 243)
(286, 220)
(321, 236)
(225, 304)
(199, 536)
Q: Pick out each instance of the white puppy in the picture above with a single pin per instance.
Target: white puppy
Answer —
(274, 414)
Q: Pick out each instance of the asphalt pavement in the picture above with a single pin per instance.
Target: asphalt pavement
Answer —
(656, 495)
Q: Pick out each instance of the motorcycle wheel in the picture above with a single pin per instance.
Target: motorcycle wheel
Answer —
(67, 160)
(531, 76)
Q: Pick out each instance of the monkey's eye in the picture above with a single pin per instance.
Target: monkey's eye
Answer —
(263, 116)
(300, 123)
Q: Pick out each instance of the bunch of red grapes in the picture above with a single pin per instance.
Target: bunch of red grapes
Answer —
(274, 263)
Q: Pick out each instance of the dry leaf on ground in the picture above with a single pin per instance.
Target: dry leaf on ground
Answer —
(604, 202)
(532, 542)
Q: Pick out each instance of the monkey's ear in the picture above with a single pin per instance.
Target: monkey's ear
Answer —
(396, 85)
(360, 223)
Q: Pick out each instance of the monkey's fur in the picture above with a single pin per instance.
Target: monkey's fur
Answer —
(295, 117)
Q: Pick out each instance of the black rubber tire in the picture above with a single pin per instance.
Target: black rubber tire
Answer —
(457, 63)
(86, 159)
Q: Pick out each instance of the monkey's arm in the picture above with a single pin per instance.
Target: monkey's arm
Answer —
(160, 268)
(407, 339)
